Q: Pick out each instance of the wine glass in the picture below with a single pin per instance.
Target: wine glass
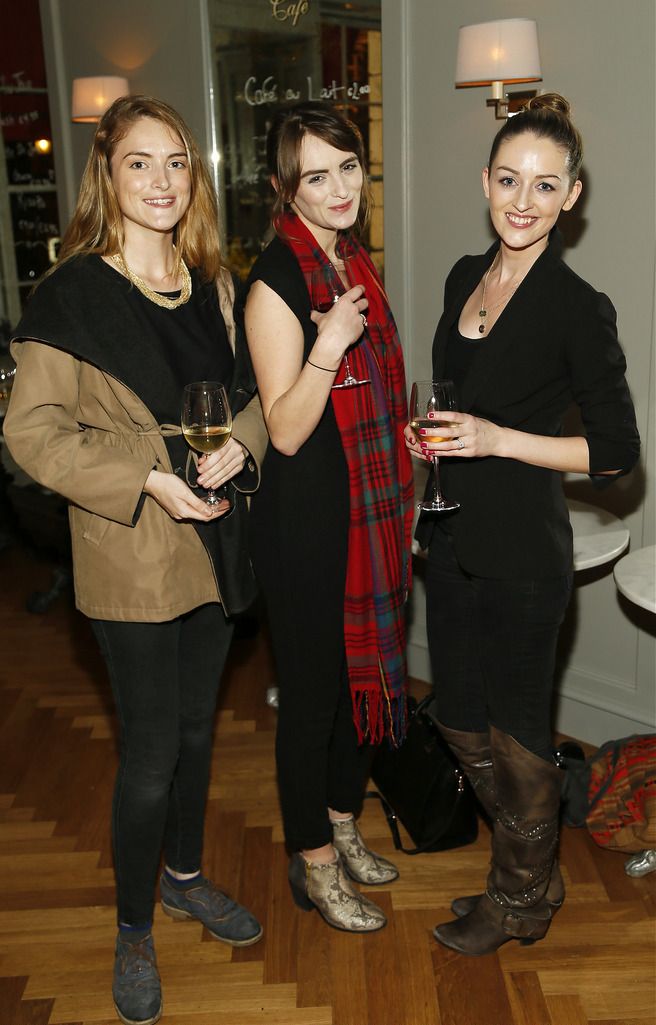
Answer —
(206, 421)
(430, 397)
(323, 296)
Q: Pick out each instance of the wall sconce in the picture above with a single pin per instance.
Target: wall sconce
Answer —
(93, 96)
(497, 52)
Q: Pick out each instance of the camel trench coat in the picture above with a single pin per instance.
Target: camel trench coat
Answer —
(82, 433)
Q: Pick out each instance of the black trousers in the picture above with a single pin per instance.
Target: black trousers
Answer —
(320, 764)
(492, 646)
(165, 680)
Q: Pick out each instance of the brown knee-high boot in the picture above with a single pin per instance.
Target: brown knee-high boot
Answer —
(475, 757)
(473, 752)
(524, 842)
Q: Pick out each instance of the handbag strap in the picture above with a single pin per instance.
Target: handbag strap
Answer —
(392, 819)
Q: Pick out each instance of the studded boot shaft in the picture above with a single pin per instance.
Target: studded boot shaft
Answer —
(525, 837)
(474, 754)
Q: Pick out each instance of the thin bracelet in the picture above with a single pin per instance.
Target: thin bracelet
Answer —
(322, 368)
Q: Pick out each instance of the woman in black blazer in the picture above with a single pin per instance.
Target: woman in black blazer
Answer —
(522, 337)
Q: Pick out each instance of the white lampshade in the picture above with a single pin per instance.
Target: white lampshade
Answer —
(93, 96)
(498, 51)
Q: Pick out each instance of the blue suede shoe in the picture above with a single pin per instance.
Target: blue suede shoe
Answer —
(226, 920)
(136, 988)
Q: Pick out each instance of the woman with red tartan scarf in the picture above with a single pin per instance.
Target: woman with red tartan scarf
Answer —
(331, 522)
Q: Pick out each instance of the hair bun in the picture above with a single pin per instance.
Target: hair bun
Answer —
(553, 102)
(548, 117)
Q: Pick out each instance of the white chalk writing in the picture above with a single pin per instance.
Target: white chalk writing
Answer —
(269, 92)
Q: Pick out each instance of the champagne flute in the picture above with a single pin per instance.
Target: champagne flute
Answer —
(323, 296)
(206, 421)
(430, 397)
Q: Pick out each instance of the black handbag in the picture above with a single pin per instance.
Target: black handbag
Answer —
(420, 784)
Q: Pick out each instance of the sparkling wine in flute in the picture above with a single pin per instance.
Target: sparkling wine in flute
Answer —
(206, 420)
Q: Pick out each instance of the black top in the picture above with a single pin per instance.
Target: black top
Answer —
(555, 342)
(461, 352)
(300, 513)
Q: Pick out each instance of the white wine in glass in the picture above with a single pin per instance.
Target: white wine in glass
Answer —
(430, 397)
(207, 439)
(206, 420)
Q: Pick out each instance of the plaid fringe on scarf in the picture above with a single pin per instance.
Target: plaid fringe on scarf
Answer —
(370, 419)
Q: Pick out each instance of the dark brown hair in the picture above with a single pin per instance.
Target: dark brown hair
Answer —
(284, 143)
(548, 117)
(97, 226)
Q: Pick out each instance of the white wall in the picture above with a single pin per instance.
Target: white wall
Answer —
(437, 140)
(160, 46)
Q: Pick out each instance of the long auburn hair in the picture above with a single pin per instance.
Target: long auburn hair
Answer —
(97, 225)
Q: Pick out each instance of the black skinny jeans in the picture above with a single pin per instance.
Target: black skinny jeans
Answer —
(320, 764)
(492, 645)
(165, 680)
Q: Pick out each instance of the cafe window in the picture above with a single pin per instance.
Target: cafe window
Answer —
(273, 53)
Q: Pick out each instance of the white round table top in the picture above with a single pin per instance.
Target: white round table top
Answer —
(599, 536)
(635, 576)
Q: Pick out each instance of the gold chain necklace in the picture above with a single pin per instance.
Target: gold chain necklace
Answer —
(150, 293)
(484, 310)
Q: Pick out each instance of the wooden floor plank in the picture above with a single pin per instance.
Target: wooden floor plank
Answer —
(470, 994)
(16, 1010)
(527, 999)
(348, 981)
(313, 962)
(414, 946)
(566, 1010)
(281, 928)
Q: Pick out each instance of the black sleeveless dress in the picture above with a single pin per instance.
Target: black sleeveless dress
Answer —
(300, 514)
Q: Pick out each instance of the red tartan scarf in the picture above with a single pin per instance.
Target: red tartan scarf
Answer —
(370, 419)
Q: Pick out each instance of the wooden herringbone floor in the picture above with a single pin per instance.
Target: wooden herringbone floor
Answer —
(58, 753)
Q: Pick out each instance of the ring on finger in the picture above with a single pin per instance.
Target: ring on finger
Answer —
(461, 443)
(364, 320)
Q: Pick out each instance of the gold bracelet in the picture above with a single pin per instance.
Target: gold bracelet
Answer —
(322, 368)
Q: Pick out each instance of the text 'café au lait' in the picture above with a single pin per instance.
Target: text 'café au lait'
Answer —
(270, 92)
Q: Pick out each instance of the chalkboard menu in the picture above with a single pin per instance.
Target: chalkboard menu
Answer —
(274, 53)
(34, 217)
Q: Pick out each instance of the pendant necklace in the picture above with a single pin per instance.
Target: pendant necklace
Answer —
(150, 293)
(483, 312)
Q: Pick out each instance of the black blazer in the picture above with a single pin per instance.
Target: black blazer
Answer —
(554, 343)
